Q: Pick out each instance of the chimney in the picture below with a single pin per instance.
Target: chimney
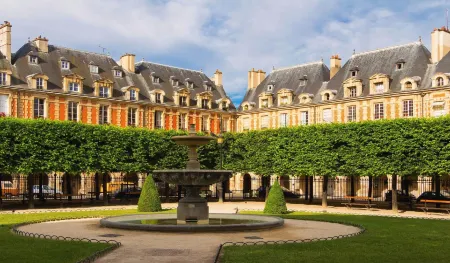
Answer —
(335, 65)
(5, 40)
(255, 77)
(440, 43)
(127, 62)
(41, 44)
(218, 78)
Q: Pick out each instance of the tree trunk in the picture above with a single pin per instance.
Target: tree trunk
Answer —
(97, 186)
(30, 191)
(324, 192)
(352, 187)
(369, 194)
(105, 188)
(394, 194)
(41, 182)
(306, 188)
(311, 189)
(69, 187)
(437, 182)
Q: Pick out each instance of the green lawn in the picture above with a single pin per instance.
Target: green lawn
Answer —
(16, 248)
(385, 240)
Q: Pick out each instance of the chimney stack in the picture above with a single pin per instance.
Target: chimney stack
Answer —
(127, 62)
(5, 40)
(335, 65)
(41, 44)
(218, 78)
(255, 77)
(440, 43)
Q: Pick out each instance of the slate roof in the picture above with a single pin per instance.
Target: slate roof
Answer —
(415, 56)
(290, 78)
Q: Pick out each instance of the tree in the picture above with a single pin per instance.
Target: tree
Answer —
(275, 203)
(149, 200)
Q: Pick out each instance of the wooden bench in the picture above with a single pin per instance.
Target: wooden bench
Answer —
(426, 208)
(367, 204)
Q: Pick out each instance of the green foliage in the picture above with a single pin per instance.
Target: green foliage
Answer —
(275, 203)
(149, 200)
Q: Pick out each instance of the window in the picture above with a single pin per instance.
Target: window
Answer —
(93, 68)
(132, 112)
(438, 108)
(104, 92)
(303, 81)
(379, 87)
(208, 88)
(117, 73)
(132, 94)
(65, 64)
(33, 60)
(246, 107)
(379, 111)
(72, 111)
(270, 87)
(183, 101)
(4, 105)
(408, 108)
(182, 121)
(283, 120)
(158, 119)
(399, 66)
(174, 82)
(158, 97)
(304, 118)
(224, 105)
(74, 87)
(439, 81)
(246, 124)
(354, 73)
(265, 103)
(352, 92)
(327, 116)
(2, 78)
(39, 83)
(284, 100)
(223, 124)
(205, 103)
(204, 123)
(408, 85)
(326, 96)
(39, 106)
(155, 79)
(103, 114)
(265, 122)
(351, 113)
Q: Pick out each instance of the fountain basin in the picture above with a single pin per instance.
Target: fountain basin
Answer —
(192, 176)
(167, 223)
(192, 140)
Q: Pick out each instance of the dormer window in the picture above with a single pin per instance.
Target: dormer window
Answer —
(3, 78)
(33, 59)
(103, 92)
(65, 64)
(208, 88)
(399, 65)
(155, 79)
(303, 80)
(133, 95)
(93, 68)
(352, 92)
(408, 85)
(39, 83)
(439, 81)
(205, 103)
(74, 87)
(379, 87)
(174, 81)
(327, 96)
(189, 85)
(284, 100)
(158, 98)
(224, 105)
(354, 73)
(245, 107)
(183, 101)
(270, 87)
(265, 103)
(117, 73)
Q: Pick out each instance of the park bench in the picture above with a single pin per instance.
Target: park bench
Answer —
(426, 208)
(361, 201)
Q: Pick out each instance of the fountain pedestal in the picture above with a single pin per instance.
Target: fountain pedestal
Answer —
(193, 208)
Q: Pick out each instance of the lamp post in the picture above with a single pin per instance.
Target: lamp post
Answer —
(221, 185)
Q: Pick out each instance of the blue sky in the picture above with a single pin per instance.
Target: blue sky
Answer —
(230, 35)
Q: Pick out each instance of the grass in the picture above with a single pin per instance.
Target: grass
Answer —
(385, 240)
(16, 248)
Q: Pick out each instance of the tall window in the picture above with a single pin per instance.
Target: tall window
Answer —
(439, 81)
(103, 114)
(2, 78)
(354, 73)
(93, 69)
(327, 117)
(224, 124)
(132, 112)
(379, 87)
(104, 92)
(246, 124)
(117, 73)
(304, 118)
(65, 64)
(264, 122)
(224, 105)
(182, 121)
(438, 108)
(33, 60)
(74, 87)
(158, 119)
(379, 111)
(408, 108)
(205, 103)
(39, 106)
(132, 94)
(204, 123)
(158, 97)
(72, 111)
(4, 104)
(352, 92)
(39, 83)
(327, 96)
(183, 101)
(283, 120)
(284, 100)
(351, 113)
(265, 103)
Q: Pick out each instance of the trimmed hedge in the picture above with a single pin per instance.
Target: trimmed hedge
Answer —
(149, 200)
(275, 203)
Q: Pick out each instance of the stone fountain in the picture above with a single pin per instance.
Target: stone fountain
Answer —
(192, 208)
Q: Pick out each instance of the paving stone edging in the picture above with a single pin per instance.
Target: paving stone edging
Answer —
(91, 258)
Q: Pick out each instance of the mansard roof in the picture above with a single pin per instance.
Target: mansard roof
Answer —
(415, 56)
(290, 78)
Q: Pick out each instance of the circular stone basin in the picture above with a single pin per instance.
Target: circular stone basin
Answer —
(192, 177)
(167, 223)
(192, 140)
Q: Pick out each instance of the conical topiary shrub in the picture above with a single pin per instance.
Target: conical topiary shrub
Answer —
(275, 203)
(149, 200)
